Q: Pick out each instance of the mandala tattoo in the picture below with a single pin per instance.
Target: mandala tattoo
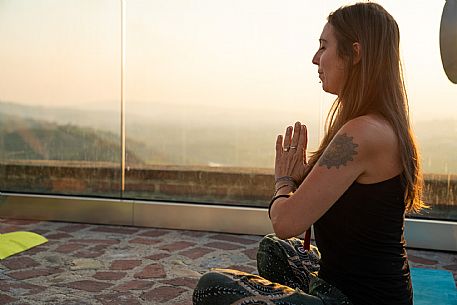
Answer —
(339, 152)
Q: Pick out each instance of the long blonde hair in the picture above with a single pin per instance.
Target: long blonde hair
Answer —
(374, 85)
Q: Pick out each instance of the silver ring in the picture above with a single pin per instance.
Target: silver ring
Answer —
(293, 147)
(286, 149)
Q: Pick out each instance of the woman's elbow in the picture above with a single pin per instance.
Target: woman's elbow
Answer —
(281, 229)
(282, 236)
(287, 229)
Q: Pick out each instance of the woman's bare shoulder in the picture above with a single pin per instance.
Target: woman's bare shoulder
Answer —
(372, 129)
(380, 144)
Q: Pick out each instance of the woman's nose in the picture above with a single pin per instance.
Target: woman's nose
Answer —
(315, 59)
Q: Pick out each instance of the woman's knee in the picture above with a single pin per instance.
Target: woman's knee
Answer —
(209, 285)
(267, 244)
(218, 287)
(273, 247)
(270, 256)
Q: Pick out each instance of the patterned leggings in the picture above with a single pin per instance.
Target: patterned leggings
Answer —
(288, 276)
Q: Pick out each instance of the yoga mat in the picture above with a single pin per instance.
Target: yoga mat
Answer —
(16, 242)
(433, 287)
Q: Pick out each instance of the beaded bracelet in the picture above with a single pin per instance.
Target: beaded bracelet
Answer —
(288, 180)
(283, 186)
(273, 200)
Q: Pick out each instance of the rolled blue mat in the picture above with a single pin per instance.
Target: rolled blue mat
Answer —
(433, 287)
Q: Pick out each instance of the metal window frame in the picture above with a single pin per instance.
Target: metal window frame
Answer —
(419, 233)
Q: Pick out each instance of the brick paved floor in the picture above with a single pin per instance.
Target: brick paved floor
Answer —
(97, 264)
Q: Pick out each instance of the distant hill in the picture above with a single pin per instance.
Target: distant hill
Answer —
(28, 139)
(105, 120)
(173, 136)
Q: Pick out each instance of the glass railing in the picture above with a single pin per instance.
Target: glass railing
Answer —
(206, 88)
(59, 97)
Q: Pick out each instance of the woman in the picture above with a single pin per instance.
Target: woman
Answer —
(355, 189)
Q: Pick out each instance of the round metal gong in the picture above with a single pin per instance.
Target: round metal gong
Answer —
(448, 39)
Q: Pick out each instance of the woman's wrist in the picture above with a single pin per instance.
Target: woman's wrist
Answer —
(284, 189)
(286, 179)
(285, 185)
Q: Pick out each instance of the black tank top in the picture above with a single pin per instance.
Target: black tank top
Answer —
(362, 244)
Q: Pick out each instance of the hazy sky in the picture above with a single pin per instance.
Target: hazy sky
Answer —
(235, 54)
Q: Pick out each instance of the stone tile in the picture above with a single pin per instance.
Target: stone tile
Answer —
(179, 245)
(125, 264)
(118, 230)
(85, 264)
(23, 287)
(98, 242)
(88, 254)
(68, 248)
(154, 233)
(27, 274)
(421, 260)
(181, 281)
(222, 245)
(38, 249)
(8, 229)
(73, 227)
(196, 252)
(158, 256)
(151, 271)
(16, 263)
(5, 299)
(60, 298)
(87, 285)
(251, 253)
(162, 294)
(118, 298)
(99, 247)
(143, 241)
(39, 231)
(451, 267)
(109, 275)
(253, 264)
(234, 239)
(194, 233)
(60, 235)
(135, 285)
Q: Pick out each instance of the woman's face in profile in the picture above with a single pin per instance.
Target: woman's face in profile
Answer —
(330, 65)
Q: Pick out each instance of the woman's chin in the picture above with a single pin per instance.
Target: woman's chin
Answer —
(328, 90)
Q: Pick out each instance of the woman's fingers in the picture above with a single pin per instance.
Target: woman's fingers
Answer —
(291, 164)
(279, 147)
(287, 138)
(296, 136)
(303, 139)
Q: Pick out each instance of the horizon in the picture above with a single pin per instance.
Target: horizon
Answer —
(229, 144)
(140, 111)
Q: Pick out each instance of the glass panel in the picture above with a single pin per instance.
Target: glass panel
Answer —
(210, 84)
(432, 100)
(59, 96)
